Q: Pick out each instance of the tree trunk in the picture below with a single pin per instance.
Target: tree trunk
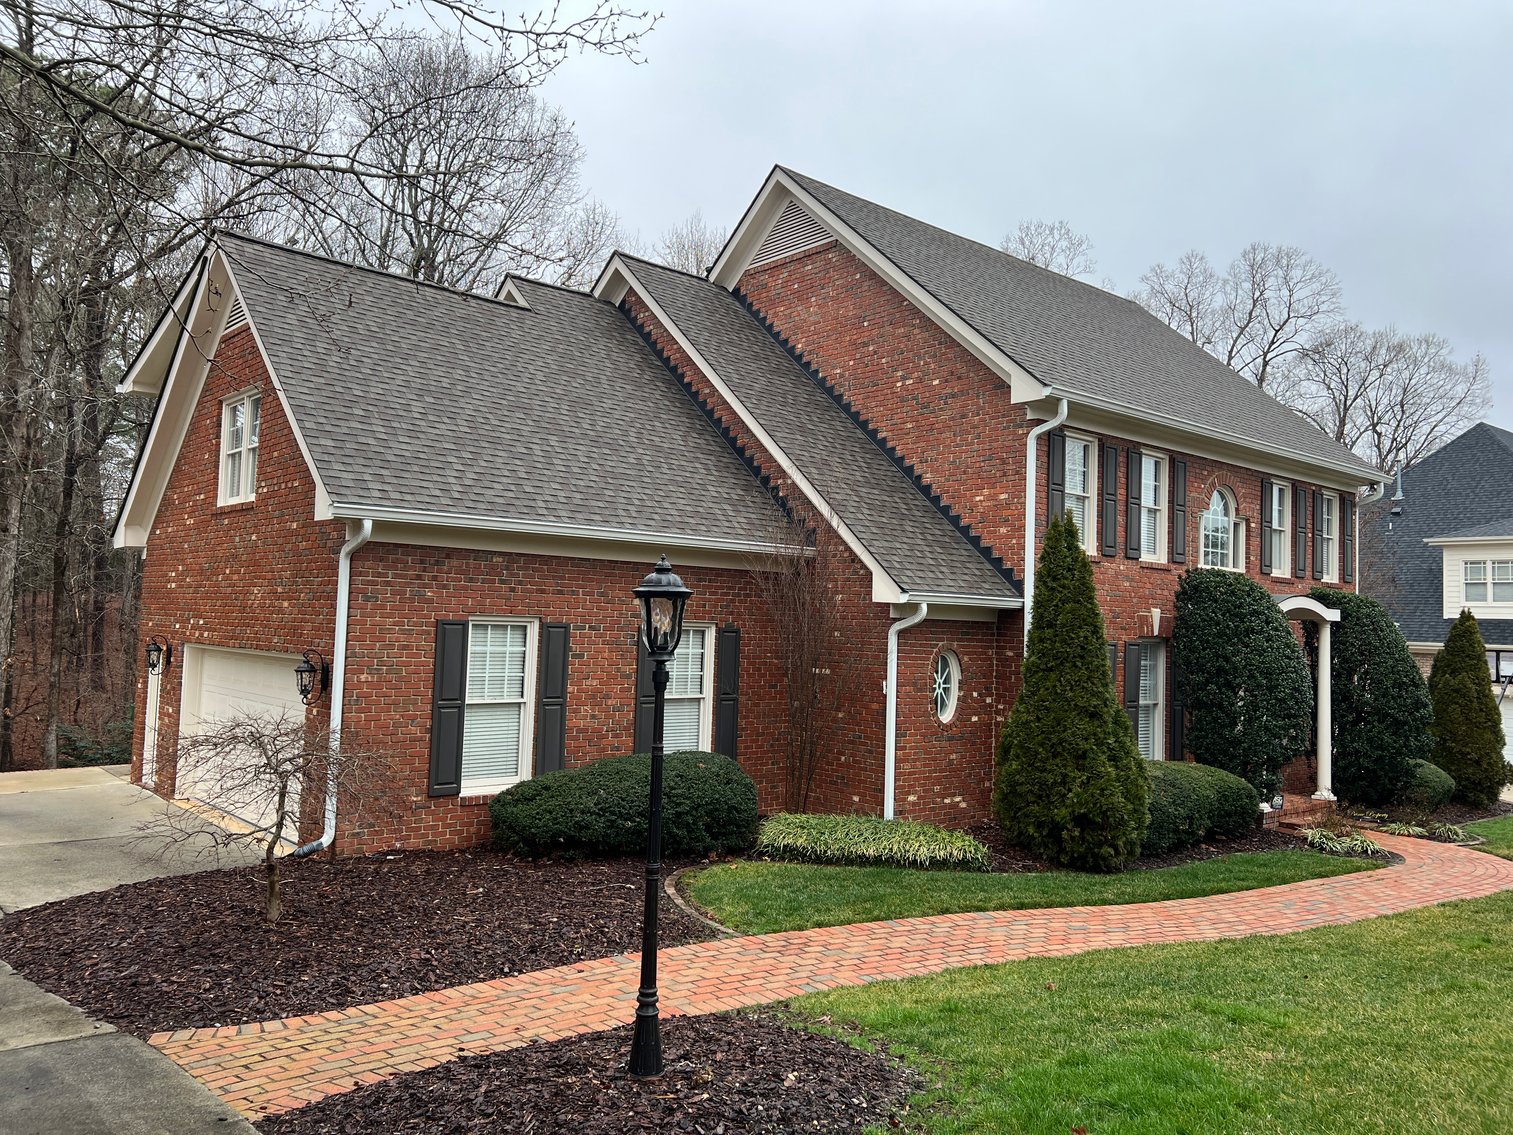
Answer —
(58, 624)
(274, 897)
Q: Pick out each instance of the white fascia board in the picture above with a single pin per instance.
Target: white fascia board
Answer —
(776, 192)
(882, 583)
(509, 292)
(1104, 417)
(611, 285)
(546, 528)
(149, 370)
(953, 598)
(1468, 541)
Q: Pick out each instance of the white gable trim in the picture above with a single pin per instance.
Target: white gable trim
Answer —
(153, 361)
(509, 292)
(615, 281)
(180, 382)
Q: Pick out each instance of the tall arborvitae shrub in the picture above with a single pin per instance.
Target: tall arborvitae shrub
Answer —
(1468, 734)
(1241, 676)
(1070, 787)
(1381, 707)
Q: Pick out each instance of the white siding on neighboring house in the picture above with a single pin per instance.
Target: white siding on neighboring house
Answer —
(1489, 593)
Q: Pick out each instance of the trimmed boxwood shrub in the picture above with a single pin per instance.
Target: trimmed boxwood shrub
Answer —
(1429, 786)
(1189, 803)
(869, 841)
(1241, 676)
(708, 804)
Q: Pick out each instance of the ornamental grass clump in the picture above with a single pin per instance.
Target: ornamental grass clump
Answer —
(1468, 733)
(1348, 842)
(868, 841)
(1070, 785)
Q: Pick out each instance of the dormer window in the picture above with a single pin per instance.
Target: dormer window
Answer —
(240, 420)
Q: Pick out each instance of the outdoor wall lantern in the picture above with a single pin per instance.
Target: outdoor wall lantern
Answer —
(159, 654)
(313, 674)
(662, 597)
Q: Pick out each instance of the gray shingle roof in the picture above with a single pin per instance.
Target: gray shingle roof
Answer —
(915, 544)
(423, 399)
(1463, 487)
(1491, 530)
(1082, 340)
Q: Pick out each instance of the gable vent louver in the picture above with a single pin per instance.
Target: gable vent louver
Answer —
(795, 230)
(237, 315)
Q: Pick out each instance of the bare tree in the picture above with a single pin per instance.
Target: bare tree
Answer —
(1390, 397)
(691, 245)
(1264, 308)
(254, 764)
(802, 596)
(1054, 245)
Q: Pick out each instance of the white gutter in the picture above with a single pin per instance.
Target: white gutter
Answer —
(338, 682)
(890, 742)
(1031, 486)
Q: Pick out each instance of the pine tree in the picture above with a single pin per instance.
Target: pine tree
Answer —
(1468, 733)
(1381, 710)
(1241, 676)
(1071, 786)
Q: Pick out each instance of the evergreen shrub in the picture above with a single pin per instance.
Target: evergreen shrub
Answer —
(1241, 677)
(599, 809)
(1381, 707)
(1468, 733)
(1191, 802)
(1070, 784)
(1429, 786)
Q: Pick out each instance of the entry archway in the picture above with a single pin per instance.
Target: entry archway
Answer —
(1303, 609)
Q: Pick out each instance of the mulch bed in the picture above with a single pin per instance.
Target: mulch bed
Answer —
(193, 950)
(726, 1075)
(1459, 814)
(1011, 860)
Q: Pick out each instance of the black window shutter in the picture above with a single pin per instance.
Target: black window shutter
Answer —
(1347, 539)
(1055, 496)
(1108, 515)
(1132, 683)
(1179, 511)
(645, 697)
(551, 712)
(448, 699)
(1318, 534)
(1266, 529)
(1132, 488)
(1113, 663)
(1178, 749)
(727, 672)
(1300, 532)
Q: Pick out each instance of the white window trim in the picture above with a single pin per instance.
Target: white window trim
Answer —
(1282, 564)
(245, 399)
(706, 694)
(1162, 493)
(1237, 532)
(954, 706)
(1487, 580)
(1158, 727)
(527, 766)
(1094, 502)
(1331, 543)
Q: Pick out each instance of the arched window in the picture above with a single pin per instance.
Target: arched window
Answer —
(947, 684)
(1221, 534)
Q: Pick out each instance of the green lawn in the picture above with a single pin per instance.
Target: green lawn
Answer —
(1393, 1025)
(1498, 834)
(760, 898)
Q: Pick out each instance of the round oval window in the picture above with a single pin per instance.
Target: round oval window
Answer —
(947, 684)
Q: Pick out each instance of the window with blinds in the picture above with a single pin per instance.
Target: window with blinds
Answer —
(1079, 487)
(1148, 720)
(241, 422)
(686, 714)
(1152, 506)
(497, 722)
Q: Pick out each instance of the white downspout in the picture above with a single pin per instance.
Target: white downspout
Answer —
(1375, 493)
(1032, 484)
(890, 732)
(338, 680)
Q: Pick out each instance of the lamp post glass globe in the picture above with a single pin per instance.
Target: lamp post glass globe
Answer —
(154, 657)
(662, 596)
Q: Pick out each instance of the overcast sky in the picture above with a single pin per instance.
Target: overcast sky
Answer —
(1378, 136)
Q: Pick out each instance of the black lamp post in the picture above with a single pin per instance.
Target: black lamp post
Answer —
(159, 654)
(311, 667)
(662, 597)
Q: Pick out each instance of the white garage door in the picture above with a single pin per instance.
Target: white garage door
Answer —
(222, 683)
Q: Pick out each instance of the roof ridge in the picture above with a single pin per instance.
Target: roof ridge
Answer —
(665, 267)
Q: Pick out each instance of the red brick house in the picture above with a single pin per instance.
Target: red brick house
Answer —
(448, 498)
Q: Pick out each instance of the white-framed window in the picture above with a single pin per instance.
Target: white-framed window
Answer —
(241, 418)
(1080, 476)
(498, 723)
(1278, 532)
(1221, 534)
(1487, 581)
(1152, 507)
(1329, 532)
(946, 684)
(688, 720)
(1152, 690)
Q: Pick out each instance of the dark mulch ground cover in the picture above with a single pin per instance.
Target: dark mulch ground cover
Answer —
(193, 950)
(1011, 860)
(726, 1075)
(1450, 814)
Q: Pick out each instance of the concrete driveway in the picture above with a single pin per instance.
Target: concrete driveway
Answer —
(66, 832)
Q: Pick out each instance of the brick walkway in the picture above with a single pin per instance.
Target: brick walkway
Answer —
(274, 1066)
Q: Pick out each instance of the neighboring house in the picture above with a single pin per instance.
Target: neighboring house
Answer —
(449, 497)
(1442, 542)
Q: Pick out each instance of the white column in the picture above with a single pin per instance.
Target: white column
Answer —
(1325, 718)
